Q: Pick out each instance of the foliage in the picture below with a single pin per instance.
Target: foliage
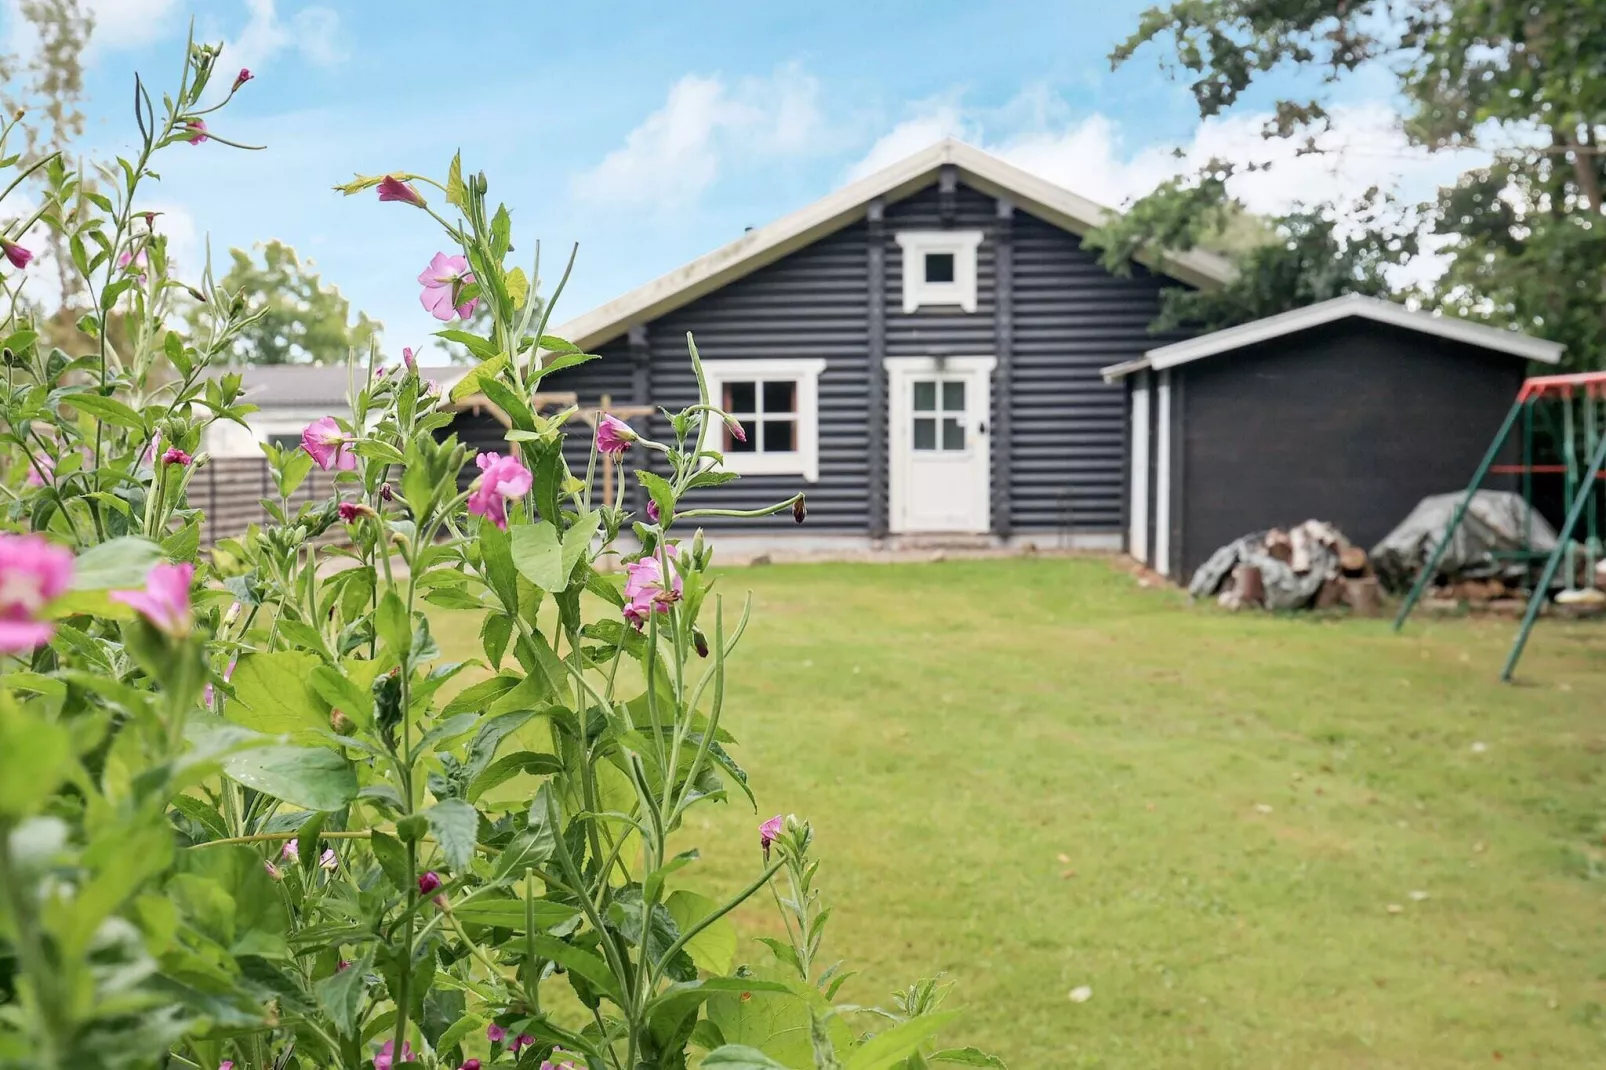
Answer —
(243, 825)
(298, 319)
(1526, 84)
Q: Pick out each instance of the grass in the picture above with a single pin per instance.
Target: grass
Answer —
(1032, 775)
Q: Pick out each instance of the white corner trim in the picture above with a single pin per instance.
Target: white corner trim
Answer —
(916, 244)
(753, 250)
(1162, 477)
(805, 372)
(1137, 539)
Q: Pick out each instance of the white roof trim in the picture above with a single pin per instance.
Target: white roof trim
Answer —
(767, 244)
(1474, 334)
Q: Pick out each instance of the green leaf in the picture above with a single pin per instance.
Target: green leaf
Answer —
(34, 756)
(509, 766)
(479, 696)
(740, 1057)
(884, 1051)
(538, 555)
(340, 994)
(273, 693)
(552, 343)
(494, 636)
(455, 825)
(393, 624)
(119, 563)
(529, 848)
(662, 495)
(107, 410)
(314, 778)
(713, 948)
(582, 962)
(447, 729)
(294, 471)
(577, 541)
(491, 364)
(511, 913)
(969, 1057)
(518, 287)
(392, 858)
(456, 192)
(342, 694)
(559, 363)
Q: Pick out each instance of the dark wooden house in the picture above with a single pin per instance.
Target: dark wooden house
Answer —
(1349, 411)
(919, 352)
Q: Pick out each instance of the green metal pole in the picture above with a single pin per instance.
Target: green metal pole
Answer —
(1426, 575)
(1541, 592)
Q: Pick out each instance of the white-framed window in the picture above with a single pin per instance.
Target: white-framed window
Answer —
(939, 268)
(778, 403)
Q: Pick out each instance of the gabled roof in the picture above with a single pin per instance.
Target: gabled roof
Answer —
(767, 244)
(275, 385)
(1495, 339)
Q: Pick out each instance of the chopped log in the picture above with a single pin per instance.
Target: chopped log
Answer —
(1507, 607)
(1364, 596)
(1477, 592)
(1330, 594)
(1280, 545)
(1248, 586)
(1354, 562)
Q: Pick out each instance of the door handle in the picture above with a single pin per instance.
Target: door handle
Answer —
(981, 427)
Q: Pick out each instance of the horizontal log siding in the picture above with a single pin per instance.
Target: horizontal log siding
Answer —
(1072, 317)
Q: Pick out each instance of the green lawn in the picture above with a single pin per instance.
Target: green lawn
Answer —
(1033, 775)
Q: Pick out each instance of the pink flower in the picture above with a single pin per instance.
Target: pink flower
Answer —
(566, 1064)
(386, 1055)
(273, 870)
(501, 478)
(470, 1064)
(614, 435)
(176, 456)
(343, 964)
(126, 259)
(165, 601)
(15, 253)
(767, 832)
(407, 359)
(40, 470)
(428, 882)
(198, 126)
(329, 445)
(392, 188)
(328, 860)
(351, 512)
(495, 1033)
(652, 510)
(32, 572)
(646, 592)
(442, 282)
(226, 1064)
(520, 1041)
(291, 846)
(243, 77)
(228, 671)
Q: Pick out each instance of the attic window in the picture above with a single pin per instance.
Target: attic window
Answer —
(939, 268)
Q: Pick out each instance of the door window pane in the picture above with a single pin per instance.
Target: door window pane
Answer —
(780, 396)
(953, 434)
(939, 267)
(779, 436)
(925, 395)
(953, 395)
(925, 433)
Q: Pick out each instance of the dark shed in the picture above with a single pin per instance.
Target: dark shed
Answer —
(1349, 411)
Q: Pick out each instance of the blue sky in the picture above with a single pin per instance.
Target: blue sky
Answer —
(648, 132)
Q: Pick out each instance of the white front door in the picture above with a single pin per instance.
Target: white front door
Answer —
(940, 468)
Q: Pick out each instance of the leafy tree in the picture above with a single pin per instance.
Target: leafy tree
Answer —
(1525, 83)
(302, 320)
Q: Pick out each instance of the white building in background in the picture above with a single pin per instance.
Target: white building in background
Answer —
(288, 398)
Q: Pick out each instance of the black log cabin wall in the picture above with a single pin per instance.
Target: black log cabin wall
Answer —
(1067, 433)
(1353, 422)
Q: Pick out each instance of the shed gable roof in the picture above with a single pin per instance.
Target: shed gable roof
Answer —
(1495, 339)
(767, 244)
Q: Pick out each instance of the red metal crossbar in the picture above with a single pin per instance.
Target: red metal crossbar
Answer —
(1537, 469)
(1593, 384)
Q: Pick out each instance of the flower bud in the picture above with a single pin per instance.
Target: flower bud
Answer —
(429, 882)
(798, 510)
(233, 614)
(342, 725)
(197, 294)
(700, 642)
(699, 551)
(386, 493)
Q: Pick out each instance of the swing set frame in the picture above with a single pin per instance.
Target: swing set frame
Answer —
(1581, 398)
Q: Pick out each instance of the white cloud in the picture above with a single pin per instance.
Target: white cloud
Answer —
(313, 31)
(677, 152)
(119, 24)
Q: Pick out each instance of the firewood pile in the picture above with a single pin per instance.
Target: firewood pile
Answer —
(1310, 566)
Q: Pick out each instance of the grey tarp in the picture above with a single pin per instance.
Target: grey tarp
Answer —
(1494, 522)
(1285, 588)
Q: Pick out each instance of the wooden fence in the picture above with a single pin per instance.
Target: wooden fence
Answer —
(230, 491)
